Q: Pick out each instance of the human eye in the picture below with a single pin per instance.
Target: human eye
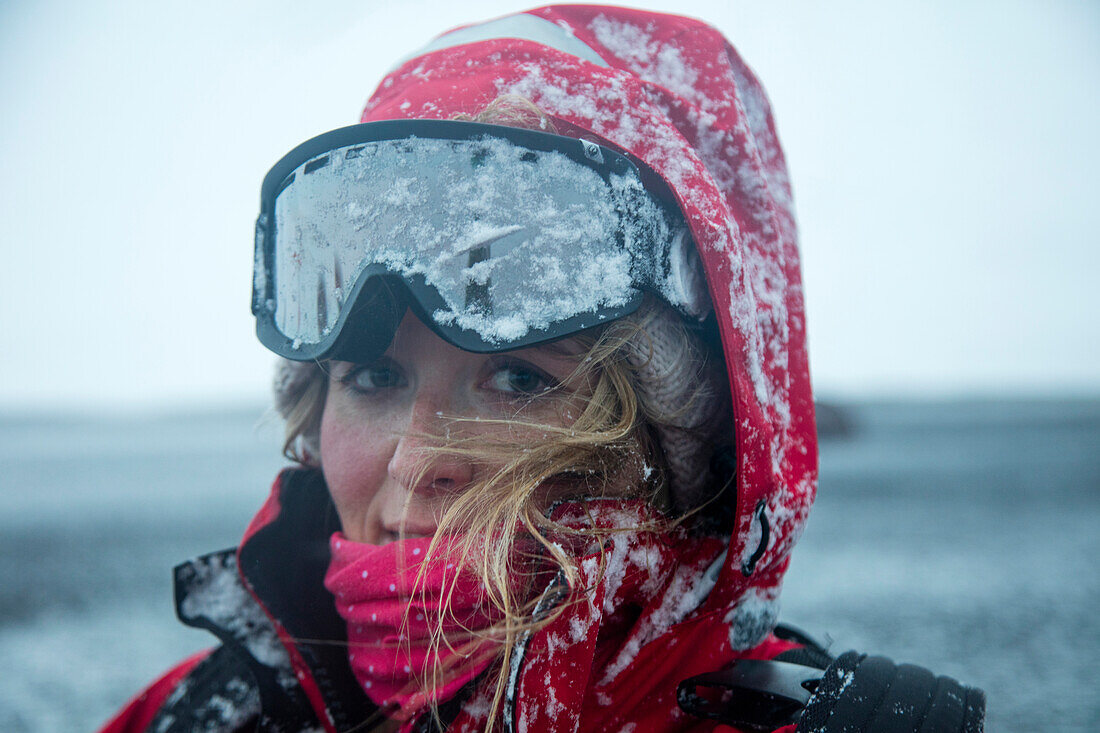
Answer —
(370, 378)
(517, 377)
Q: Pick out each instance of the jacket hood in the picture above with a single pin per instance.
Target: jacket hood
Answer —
(675, 94)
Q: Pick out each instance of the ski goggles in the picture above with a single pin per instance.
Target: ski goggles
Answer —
(497, 237)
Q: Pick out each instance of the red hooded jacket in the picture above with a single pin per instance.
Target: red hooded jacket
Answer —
(673, 93)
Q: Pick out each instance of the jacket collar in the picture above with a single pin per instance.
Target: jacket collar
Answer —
(268, 599)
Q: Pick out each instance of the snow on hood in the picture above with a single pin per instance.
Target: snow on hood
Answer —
(673, 92)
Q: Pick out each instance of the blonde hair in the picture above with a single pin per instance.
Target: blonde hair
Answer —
(512, 110)
(610, 449)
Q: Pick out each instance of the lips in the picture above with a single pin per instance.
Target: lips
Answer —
(394, 532)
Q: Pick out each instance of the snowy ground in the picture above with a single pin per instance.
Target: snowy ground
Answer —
(959, 536)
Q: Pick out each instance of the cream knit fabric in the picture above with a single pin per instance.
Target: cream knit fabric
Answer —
(683, 396)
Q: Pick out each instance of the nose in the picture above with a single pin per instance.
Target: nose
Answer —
(419, 469)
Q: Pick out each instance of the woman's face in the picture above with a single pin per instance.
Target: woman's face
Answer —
(379, 417)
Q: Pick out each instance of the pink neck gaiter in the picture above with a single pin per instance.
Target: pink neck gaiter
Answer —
(391, 617)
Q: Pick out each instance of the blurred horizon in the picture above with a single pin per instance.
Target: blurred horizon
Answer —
(264, 411)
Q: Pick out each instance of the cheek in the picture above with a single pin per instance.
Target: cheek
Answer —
(354, 461)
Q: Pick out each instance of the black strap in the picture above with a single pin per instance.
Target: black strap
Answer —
(759, 695)
(753, 694)
(809, 654)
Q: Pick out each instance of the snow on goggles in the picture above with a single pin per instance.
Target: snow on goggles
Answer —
(497, 237)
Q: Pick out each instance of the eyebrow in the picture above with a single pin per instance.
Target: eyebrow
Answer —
(558, 348)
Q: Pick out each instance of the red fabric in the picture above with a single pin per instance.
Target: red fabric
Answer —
(672, 92)
(391, 614)
(139, 712)
(613, 659)
(630, 635)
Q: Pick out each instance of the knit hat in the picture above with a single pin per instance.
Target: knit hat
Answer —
(683, 395)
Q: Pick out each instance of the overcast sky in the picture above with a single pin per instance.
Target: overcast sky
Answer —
(945, 159)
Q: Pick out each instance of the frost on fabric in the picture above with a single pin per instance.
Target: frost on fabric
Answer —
(214, 591)
(681, 588)
(552, 705)
(506, 259)
(753, 618)
(788, 514)
(656, 62)
(830, 694)
(845, 677)
(228, 710)
(757, 111)
(479, 705)
(718, 157)
(735, 141)
(602, 108)
(217, 712)
(664, 64)
(578, 629)
(639, 568)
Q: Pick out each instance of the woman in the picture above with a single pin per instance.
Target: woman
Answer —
(545, 377)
